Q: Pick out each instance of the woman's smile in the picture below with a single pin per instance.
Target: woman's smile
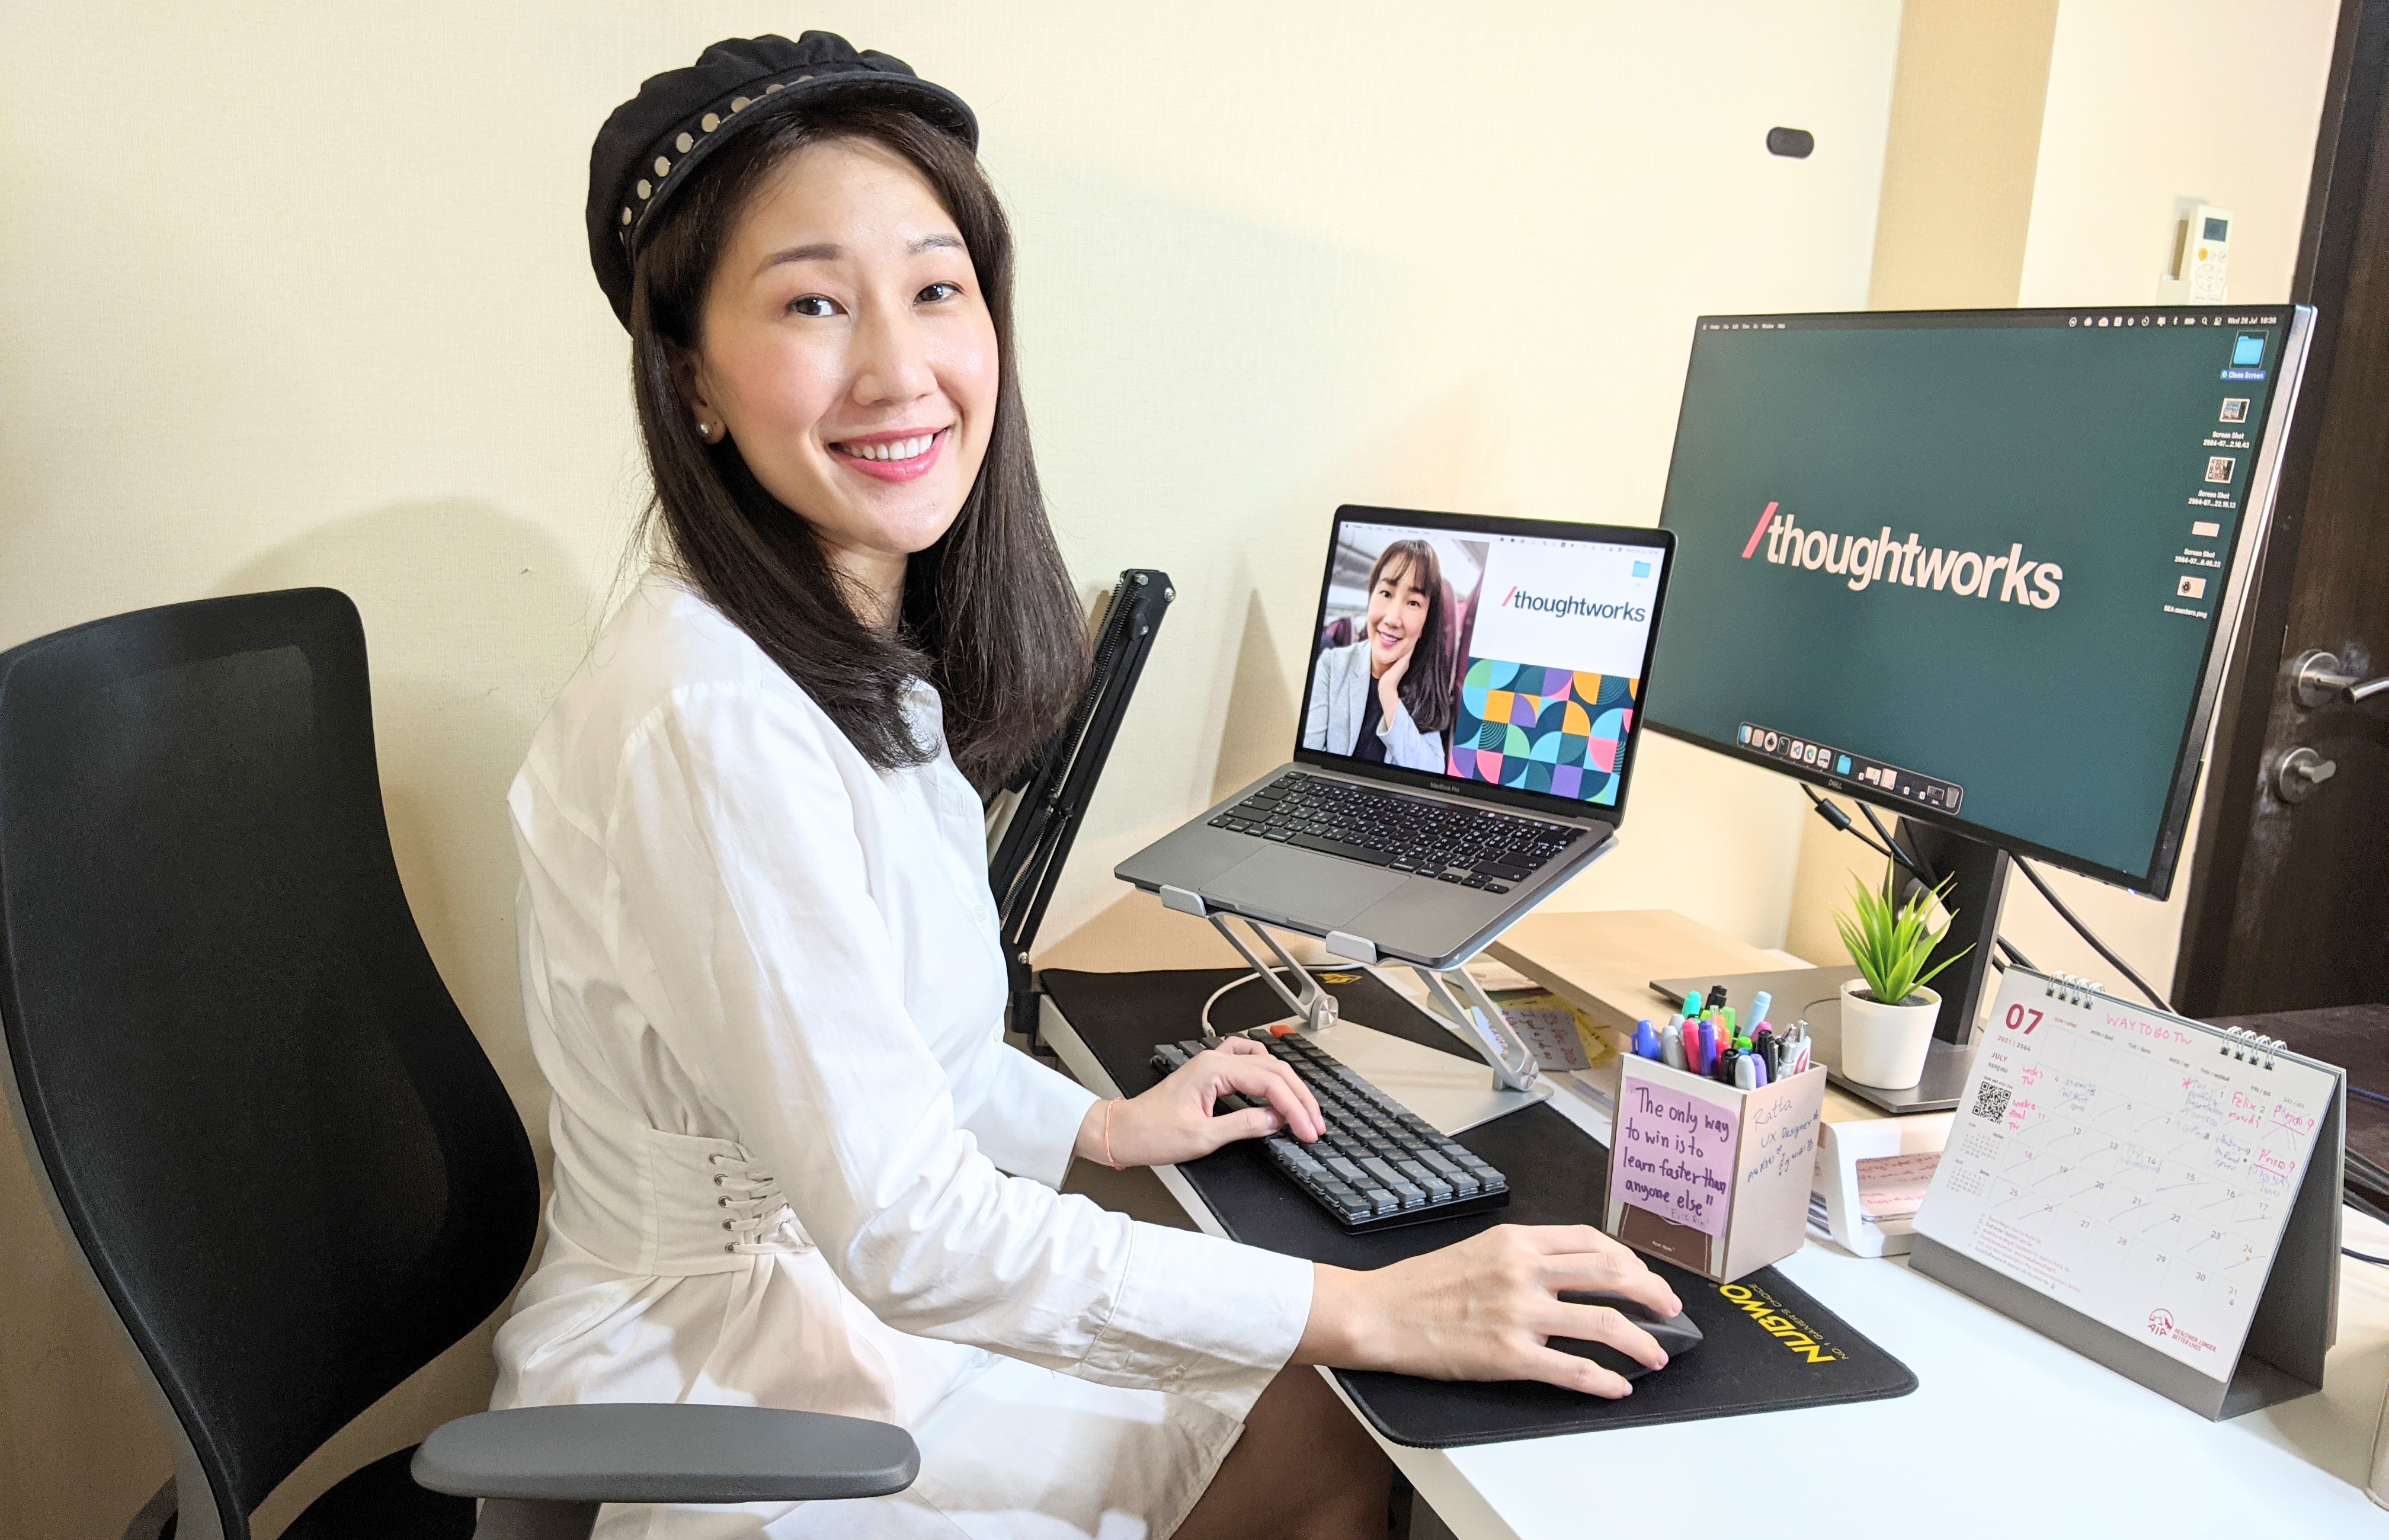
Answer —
(903, 455)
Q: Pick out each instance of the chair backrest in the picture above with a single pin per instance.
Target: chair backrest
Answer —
(272, 1136)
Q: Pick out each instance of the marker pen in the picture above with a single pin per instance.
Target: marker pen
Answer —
(1672, 1046)
(1758, 1005)
(1647, 1039)
(1746, 1072)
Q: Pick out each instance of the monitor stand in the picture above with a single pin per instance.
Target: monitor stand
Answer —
(1451, 1093)
(1979, 880)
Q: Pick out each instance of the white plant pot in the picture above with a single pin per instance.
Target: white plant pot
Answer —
(1885, 1046)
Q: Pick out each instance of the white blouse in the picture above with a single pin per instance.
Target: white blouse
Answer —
(795, 1164)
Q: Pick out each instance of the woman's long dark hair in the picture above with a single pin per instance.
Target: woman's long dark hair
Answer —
(1427, 683)
(987, 616)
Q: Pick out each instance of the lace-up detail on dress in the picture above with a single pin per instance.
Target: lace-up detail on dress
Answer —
(753, 1211)
(670, 1204)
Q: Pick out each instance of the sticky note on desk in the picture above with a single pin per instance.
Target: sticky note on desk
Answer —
(1558, 1033)
(1674, 1154)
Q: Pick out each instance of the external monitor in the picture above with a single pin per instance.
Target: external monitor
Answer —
(1979, 567)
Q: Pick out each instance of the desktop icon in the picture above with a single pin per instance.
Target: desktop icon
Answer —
(1745, 732)
(2218, 467)
(2190, 588)
(1842, 766)
(2248, 350)
(1642, 569)
(2205, 529)
(2235, 409)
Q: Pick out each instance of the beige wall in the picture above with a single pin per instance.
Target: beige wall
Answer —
(1957, 165)
(2136, 114)
(297, 294)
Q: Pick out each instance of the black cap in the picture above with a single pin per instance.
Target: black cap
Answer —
(654, 142)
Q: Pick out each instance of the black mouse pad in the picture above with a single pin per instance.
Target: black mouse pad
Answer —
(1769, 1345)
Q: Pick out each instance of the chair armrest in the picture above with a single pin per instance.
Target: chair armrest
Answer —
(644, 1453)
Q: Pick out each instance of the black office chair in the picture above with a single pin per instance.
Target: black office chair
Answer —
(260, 1122)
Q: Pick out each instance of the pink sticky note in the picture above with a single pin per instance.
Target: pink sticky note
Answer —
(1674, 1155)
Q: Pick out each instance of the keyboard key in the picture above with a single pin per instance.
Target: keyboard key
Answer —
(1340, 847)
(1437, 1189)
(1393, 1181)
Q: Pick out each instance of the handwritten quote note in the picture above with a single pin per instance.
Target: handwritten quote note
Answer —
(1675, 1155)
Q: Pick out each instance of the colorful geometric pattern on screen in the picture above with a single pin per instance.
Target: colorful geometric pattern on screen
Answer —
(1542, 729)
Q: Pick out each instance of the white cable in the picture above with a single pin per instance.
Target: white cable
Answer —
(1233, 984)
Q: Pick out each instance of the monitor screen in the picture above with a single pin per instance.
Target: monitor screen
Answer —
(1974, 565)
(1506, 653)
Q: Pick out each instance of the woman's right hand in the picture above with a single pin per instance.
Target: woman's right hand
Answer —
(1482, 1308)
(1389, 684)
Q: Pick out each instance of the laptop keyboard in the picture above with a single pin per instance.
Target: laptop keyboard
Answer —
(1470, 846)
(1378, 1164)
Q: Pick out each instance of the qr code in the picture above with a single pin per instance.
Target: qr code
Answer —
(1991, 1101)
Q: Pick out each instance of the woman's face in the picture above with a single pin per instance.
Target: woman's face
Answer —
(848, 351)
(1398, 607)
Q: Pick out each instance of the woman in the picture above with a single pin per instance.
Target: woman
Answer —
(1386, 697)
(795, 1164)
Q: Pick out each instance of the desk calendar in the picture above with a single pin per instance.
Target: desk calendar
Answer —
(2158, 1194)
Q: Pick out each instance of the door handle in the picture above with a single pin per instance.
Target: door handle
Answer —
(2319, 678)
(2301, 773)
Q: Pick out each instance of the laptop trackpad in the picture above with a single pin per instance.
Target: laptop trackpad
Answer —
(1302, 888)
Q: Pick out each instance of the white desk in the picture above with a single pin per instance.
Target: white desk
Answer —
(2080, 1450)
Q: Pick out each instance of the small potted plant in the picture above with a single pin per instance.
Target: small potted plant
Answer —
(1887, 1014)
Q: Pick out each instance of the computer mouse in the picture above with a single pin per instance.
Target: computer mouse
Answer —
(1676, 1334)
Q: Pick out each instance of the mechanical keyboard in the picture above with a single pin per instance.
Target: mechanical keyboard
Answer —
(1473, 847)
(1378, 1165)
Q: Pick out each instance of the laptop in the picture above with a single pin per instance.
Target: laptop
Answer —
(1470, 714)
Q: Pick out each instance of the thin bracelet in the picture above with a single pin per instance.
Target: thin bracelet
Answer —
(1107, 1134)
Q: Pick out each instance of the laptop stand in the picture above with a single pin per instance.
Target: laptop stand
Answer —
(1451, 1094)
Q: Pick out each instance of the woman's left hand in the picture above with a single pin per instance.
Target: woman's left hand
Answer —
(1175, 1121)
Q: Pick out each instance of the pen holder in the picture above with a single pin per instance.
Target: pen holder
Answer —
(1711, 1178)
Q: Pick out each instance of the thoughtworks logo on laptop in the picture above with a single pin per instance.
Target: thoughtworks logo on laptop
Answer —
(1567, 605)
(1868, 559)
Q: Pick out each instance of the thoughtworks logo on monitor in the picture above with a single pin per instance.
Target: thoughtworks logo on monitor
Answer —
(1869, 559)
(1567, 605)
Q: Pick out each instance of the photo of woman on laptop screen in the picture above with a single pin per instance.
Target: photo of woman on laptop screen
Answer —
(1385, 688)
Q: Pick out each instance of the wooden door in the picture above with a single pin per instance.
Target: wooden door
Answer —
(2289, 901)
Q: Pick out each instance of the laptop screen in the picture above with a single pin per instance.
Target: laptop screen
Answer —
(1505, 653)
